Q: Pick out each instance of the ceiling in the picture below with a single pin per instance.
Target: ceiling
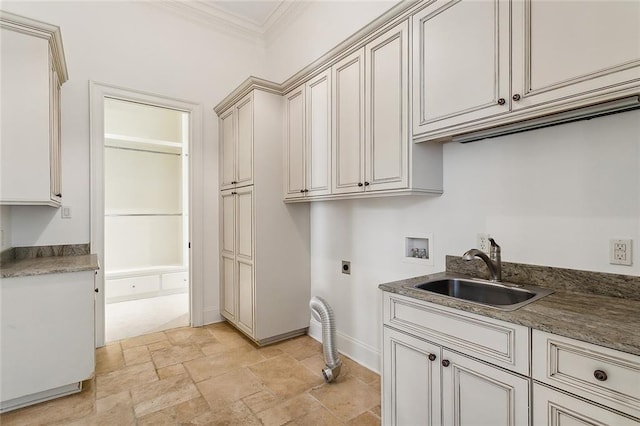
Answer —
(257, 20)
(256, 12)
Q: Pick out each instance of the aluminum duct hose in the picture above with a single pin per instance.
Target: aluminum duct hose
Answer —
(322, 312)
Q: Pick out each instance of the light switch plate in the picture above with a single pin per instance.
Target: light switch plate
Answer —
(65, 212)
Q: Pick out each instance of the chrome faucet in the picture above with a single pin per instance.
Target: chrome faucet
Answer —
(493, 261)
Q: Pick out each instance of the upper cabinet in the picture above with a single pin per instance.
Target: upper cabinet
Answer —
(307, 113)
(387, 146)
(569, 54)
(32, 70)
(460, 63)
(478, 65)
(236, 144)
(348, 124)
(347, 129)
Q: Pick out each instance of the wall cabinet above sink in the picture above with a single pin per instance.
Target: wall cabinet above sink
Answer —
(527, 59)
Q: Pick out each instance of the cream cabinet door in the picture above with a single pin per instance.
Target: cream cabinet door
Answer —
(568, 51)
(477, 394)
(30, 130)
(245, 258)
(461, 69)
(411, 380)
(294, 151)
(227, 254)
(244, 148)
(553, 408)
(348, 124)
(387, 103)
(227, 149)
(318, 135)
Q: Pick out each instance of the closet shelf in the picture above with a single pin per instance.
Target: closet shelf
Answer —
(141, 214)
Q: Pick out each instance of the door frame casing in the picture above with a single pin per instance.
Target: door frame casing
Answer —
(97, 93)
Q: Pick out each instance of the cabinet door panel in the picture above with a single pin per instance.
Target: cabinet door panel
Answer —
(461, 63)
(476, 394)
(318, 93)
(26, 132)
(387, 75)
(227, 148)
(245, 296)
(245, 223)
(348, 114)
(411, 380)
(228, 201)
(565, 51)
(294, 145)
(553, 408)
(244, 163)
(228, 288)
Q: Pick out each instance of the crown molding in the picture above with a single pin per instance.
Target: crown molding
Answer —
(244, 88)
(390, 18)
(218, 19)
(39, 29)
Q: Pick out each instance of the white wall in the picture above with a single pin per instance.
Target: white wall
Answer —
(139, 46)
(320, 26)
(553, 196)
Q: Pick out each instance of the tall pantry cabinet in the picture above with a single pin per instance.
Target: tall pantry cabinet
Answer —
(264, 243)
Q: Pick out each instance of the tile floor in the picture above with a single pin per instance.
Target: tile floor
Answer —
(145, 316)
(212, 375)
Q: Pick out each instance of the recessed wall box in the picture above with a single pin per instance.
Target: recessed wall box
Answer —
(419, 249)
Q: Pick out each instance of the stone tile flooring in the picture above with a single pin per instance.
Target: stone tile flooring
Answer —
(212, 375)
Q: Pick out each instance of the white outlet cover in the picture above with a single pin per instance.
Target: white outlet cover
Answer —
(483, 243)
(620, 252)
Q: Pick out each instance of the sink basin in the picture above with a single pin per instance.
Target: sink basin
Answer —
(503, 296)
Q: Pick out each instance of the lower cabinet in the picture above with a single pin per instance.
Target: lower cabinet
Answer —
(426, 384)
(47, 336)
(475, 393)
(238, 235)
(411, 380)
(555, 408)
(443, 366)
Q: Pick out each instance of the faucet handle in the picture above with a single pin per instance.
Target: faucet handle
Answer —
(494, 252)
(493, 243)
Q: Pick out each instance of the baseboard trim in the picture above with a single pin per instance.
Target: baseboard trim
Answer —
(358, 351)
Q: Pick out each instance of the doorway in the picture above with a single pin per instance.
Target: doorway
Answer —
(146, 218)
(146, 226)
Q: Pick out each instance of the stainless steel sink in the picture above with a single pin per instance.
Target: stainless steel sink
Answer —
(504, 296)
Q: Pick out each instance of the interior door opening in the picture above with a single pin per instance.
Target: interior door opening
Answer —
(146, 218)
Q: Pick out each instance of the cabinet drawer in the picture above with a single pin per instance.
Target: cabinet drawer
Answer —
(571, 365)
(498, 342)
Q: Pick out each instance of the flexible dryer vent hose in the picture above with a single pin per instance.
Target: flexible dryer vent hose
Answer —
(322, 312)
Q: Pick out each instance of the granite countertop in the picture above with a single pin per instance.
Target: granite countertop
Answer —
(48, 265)
(612, 322)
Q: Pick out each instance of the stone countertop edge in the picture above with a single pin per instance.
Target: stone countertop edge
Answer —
(607, 321)
(49, 265)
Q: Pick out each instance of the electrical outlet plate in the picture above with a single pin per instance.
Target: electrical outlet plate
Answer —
(483, 243)
(620, 252)
(346, 267)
